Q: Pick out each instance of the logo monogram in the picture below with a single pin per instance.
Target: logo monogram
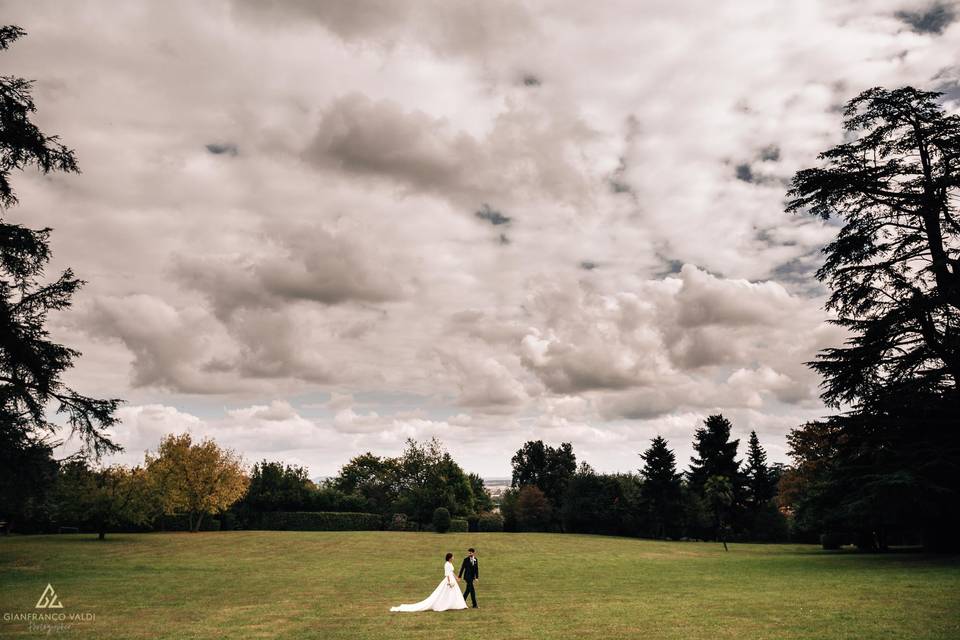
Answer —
(48, 599)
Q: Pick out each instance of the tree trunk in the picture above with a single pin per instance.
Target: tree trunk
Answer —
(102, 535)
(196, 525)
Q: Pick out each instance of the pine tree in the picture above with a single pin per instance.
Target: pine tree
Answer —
(31, 364)
(661, 487)
(716, 453)
(759, 479)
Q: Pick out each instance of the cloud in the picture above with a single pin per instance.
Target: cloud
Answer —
(222, 148)
(525, 152)
(934, 19)
(323, 231)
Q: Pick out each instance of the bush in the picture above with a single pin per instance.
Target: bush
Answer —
(831, 540)
(490, 522)
(181, 522)
(441, 520)
(400, 522)
(229, 522)
(316, 521)
(473, 523)
(459, 525)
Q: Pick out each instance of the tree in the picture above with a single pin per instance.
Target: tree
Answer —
(532, 509)
(278, 487)
(894, 275)
(894, 268)
(545, 467)
(430, 478)
(482, 500)
(662, 488)
(103, 498)
(591, 504)
(423, 478)
(441, 520)
(31, 364)
(717, 453)
(28, 473)
(376, 479)
(718, 492)
(195, 478)
(760, 483)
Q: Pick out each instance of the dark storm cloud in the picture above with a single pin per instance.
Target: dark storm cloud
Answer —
(934, 19)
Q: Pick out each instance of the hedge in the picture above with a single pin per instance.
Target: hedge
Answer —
(181, 522)
(490, 522)
(316, 521)
(458, 525)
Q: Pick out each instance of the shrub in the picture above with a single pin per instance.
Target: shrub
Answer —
(229, 521)
(831, 540)
(490, 522)
(181, 522)
(473, 523)
(316, 521)
(459, 525)
(400, 522)
(441, 520)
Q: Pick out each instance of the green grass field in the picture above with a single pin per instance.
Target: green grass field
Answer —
(341, 585)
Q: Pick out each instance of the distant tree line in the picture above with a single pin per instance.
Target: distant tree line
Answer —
(718, 498)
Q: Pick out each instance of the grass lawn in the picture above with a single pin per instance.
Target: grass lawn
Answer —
(341, 585)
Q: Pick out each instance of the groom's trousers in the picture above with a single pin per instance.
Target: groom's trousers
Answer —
(472, 592)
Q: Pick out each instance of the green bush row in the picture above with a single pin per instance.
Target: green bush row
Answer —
(316, 521)
(458, 525)
(181, 522)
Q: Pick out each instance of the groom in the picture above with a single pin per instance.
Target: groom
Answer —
(470, 571)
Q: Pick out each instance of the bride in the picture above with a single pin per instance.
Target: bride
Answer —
(446, 596)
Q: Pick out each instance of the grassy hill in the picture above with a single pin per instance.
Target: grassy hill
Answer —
(341, 585)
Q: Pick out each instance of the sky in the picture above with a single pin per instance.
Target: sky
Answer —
(315, 229)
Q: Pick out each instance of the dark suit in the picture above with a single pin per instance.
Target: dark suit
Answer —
(470, 571)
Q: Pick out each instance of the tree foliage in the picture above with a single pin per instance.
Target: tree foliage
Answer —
(104, 498)
(548, 468)
(716, 453)
(31, 364)
(195, 478)
(662, 488)
(894, 268)
(894, 273)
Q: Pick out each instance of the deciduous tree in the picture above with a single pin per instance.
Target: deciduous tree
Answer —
(195, 478)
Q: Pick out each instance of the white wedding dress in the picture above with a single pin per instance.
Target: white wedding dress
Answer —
(446, 596)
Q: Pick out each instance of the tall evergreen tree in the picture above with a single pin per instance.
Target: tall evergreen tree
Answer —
(894, 275)
(716, 453)
(894, 268)
(31, 364)
(661, 488)
(760, 483)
